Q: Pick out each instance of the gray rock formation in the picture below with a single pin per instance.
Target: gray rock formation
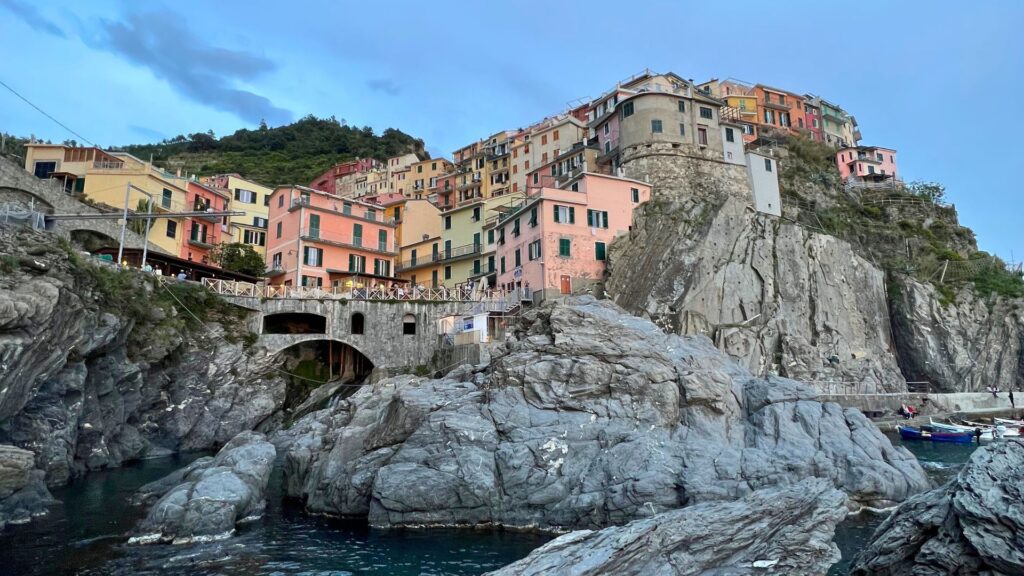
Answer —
(771, 531)
(208, 498)
(972, 525)
(780, 298)
(590, 417)
(85, 385)
(967, 345)
(23, 493)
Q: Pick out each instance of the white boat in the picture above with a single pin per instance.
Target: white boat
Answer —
(1002, 430)
(986, 433)
(1009, 423)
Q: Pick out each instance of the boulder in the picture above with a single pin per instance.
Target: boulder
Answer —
(23, 493)
(589, 417)
(771, 531)
(207, 499)
(972, 525)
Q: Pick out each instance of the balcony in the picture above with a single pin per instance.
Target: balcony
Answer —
(300, 201)
(347, 241)
(200, 241)
(776, 106)
(108, 165)
(441, 257)
(275, 270)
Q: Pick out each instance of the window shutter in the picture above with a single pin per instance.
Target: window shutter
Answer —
(572, 215)
(604, 216)
(590, 218)
(556, 215)
(599, 250)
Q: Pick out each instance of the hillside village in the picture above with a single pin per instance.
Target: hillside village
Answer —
(533, 209)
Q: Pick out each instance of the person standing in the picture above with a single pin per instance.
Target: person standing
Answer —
(977, 435)
(1013, 406)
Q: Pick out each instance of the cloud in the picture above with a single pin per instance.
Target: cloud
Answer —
(30, 14)
(386, 86)
(191, 65)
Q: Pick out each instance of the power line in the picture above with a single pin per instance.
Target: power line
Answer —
(43, 112)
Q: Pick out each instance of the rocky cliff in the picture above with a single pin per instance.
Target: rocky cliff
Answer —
(816, 294)
(589, 417)
(100, 367)
(972, 525)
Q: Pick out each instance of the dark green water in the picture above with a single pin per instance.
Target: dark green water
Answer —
(84, 535)
(940, 461)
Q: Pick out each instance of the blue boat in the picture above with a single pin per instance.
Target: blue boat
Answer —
(926, 433)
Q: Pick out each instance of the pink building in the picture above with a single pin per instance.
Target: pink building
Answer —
(867, 163)
(556, 241)
(812, 119)
(319, 239)
(202, 233)
(326, 181)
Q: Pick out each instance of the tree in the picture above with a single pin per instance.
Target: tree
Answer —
(139, 225)
(929, 190)
(238, 257)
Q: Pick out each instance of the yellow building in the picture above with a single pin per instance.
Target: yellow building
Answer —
(104, 177)
(422, 176)
(251, 198)
(541, 144)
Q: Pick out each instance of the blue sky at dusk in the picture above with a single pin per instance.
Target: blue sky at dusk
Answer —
(935, 80)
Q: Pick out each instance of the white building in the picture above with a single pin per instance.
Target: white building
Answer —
(763, 172)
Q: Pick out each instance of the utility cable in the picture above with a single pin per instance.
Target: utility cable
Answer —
(43, 112)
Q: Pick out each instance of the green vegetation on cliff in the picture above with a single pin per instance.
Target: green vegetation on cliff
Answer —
(291, 154)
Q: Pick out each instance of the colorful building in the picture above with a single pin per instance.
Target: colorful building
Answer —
(778, 111)
(106, 177)
(556, 241)
(249, 197)
(422, 176)
(347, 173)
(740, 98)
(203, 233)
(867, 163)
(838, 128)
(320, 239)
(541, 143)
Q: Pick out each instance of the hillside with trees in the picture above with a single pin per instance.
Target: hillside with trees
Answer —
(291, 154)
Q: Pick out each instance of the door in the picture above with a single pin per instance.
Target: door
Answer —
(566, 285)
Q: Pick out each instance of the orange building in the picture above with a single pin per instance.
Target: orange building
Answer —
(779, 110)
(203, 233)
(320, 239)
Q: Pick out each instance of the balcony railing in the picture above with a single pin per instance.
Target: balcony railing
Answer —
(349, 241)
(108, 165)
(441, 256)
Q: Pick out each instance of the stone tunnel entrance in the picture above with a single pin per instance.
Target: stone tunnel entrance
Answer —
(321, 370)
(294, 323)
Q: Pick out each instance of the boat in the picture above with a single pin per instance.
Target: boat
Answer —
(923, 433)
(986, 432)
(1002, 430)
(1009, 423)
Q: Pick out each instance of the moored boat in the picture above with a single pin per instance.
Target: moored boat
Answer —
(923, 433)
(986, 433)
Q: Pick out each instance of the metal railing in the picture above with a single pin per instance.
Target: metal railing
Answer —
(337, 238)
(441, 256)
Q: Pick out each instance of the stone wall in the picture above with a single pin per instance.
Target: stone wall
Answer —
(382, 340)
(24, 190)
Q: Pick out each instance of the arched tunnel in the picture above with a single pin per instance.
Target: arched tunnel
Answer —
(319, 370)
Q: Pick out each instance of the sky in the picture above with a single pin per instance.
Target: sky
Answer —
(925, 78)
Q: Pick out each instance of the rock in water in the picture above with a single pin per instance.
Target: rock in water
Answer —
(972, 525)
(23, 493)
(771, 531)
(205, 500)
(590, 417)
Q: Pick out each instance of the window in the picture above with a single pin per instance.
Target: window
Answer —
(433, 279)
(627, 109)
(555, 135)
(607, 146)
(44, 169)
(543, 139)
(564, 247)
(275, 262)
(397, 214)
(476, 214)
(597, 219)
(419, 169)
(371, 215)
(748, 129)
(312, 281)
(382, 240)
(599, 251)
(682, 105)
(165, 200)
(635, 193)
(702, 136)
(769, 117)
(879, 156)
(565, 214)
(814, 122)
(409, 325)
(533, 216)
(476, 241)
(314, 226)
(606, 127)
(266, 200)
(254, 237)
(502, 265)
(800, 122)
(476, 267)
(259, 222)
(729, 136)
(172, 228)
(381, 267)
(447, 222)
(357, 234)
(871, 169)
(518, 258)
(280, 201)
(490, 263)
(246, 196)
(706, 112)
(575, 187)
(501, 235)
(656, 126)
(278, 230)
(447, 249)
(534, 250)
(357, 263)
(412, 258)
(312, 256)
(346, 208)
(356, 323)
(490, 236)
(768, 164)
(682, 129)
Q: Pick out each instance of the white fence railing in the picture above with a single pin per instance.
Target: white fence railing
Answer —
(484, 300)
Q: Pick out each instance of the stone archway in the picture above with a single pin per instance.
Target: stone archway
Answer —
(25, 200)
(294, 323)
(319, 368)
